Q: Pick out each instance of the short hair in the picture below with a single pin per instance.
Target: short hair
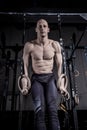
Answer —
(40, 20)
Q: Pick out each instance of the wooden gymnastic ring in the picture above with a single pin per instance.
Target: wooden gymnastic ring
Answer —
(63, 76)
(20, 83)
(65, 80)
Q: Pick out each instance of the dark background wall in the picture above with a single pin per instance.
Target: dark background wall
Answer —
(13, 27)
(68, 5)
(14, 32)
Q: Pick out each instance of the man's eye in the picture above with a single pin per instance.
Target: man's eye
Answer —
(44, 26)
(40, 26)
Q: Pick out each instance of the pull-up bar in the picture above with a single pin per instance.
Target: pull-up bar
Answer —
(41, 13)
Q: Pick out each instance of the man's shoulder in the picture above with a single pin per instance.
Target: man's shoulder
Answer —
(29, 43)
(53, 41)
(55, 44)
(32, 42)
(29, 46)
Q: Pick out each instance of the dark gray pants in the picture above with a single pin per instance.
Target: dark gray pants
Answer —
(44, 95)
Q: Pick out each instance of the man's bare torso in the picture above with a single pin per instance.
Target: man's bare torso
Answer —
(42, 57)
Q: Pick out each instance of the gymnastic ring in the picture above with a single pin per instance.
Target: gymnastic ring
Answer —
(65, 80)
(65, 84)
(28, 82)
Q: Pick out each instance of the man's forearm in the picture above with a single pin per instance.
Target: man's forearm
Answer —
(59, 71)
(26, 70)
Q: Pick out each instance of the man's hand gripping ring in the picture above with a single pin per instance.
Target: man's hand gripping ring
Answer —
(62, 85)
(24, 90)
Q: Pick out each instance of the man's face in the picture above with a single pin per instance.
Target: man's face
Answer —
(42, 28)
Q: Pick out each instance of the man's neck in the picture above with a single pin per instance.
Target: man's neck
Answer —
(42, 40)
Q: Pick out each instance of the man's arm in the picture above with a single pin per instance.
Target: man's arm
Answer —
(58, 58)
(62, 78)
(25, 83)
(26, 58)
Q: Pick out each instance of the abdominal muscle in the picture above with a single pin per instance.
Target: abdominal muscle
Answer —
(42, 66)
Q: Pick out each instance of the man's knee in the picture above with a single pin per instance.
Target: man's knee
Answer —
(40, 115)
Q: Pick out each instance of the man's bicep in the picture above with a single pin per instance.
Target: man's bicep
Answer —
(25, 55)
(58, 58)
(26, 51)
